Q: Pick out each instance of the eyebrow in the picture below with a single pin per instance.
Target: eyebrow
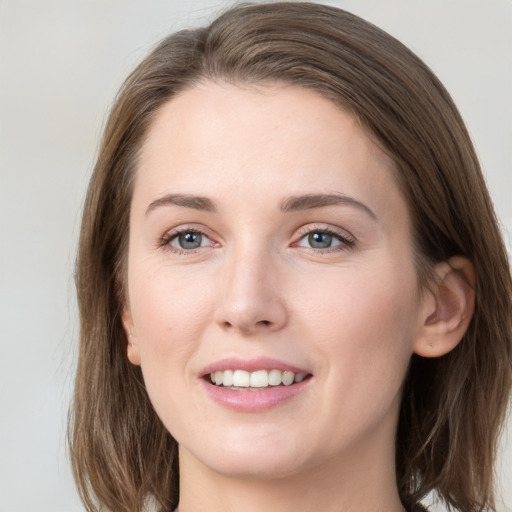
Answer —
(310, 201)
(188, 201)
(297, 203)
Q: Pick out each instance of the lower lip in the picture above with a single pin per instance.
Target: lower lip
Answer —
(253, 400)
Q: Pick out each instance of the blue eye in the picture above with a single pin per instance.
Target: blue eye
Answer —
(325, 239)
(320, 240)
(186, 240)
(189, 240)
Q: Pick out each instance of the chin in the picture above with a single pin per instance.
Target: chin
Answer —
(256, 468)
(262, 457)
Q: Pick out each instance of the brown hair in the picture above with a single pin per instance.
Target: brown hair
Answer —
(453, 407)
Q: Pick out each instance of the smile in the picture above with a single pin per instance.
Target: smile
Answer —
(235, 379)
(254, 385)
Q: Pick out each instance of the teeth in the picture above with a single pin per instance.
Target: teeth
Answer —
(288, 378)
(241, 379)
(257, 379)
(228, 378)
(275, 377)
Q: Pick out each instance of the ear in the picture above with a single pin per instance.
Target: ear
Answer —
(132, 348)
(447, 309)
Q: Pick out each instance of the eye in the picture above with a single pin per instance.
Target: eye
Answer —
(324, 239)
(187, 239)
(319, 240)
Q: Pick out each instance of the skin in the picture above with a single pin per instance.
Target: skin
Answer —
(351, 314)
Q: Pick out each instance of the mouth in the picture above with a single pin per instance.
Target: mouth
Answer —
(242, 380)
(254, 385)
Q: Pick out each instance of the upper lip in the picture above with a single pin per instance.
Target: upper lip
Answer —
(250, 365)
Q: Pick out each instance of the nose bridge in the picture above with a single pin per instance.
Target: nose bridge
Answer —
(250, 298)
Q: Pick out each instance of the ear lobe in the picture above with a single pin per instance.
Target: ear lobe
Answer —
(448, 309)
(132, 348)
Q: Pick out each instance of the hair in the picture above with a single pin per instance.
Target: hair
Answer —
(453, 407)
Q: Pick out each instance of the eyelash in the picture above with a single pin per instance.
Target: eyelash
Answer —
(346, 241)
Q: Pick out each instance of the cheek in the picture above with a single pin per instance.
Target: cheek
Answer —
(364, 324)
(363, 333)
(168, 311)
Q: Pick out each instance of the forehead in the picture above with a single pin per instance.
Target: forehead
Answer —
(272, 140)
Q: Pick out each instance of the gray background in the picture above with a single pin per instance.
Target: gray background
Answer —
(61, 63)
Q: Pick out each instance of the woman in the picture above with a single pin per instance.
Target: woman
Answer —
(292, 287)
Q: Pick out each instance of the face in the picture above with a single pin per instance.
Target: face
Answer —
(270, 249)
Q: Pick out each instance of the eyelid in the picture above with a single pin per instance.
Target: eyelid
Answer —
(324, 228)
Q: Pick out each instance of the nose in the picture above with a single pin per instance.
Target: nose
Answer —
(251, 296)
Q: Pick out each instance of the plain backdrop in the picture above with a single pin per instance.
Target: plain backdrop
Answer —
(61, 63)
